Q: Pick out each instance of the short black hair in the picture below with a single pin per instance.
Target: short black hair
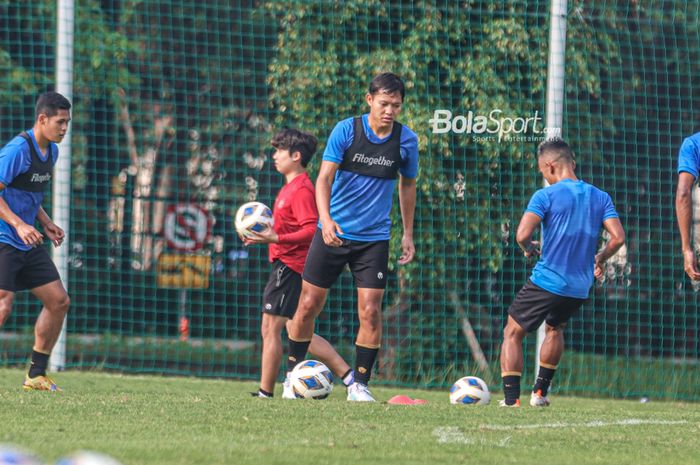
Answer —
(49, 103)
(556, 146)
(296, 141)
(387, 83)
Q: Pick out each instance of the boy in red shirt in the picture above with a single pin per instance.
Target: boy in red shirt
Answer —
(295, 220)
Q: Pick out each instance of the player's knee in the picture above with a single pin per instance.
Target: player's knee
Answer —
(307, 306)
(513, 332)
(61, 305)
(370, 317)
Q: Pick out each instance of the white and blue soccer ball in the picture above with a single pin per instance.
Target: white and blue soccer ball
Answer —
(470, 390)
(253, 216)
(311, 379)
(12, 455)
(86, 457)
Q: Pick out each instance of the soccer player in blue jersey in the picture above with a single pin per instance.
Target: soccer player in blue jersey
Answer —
(354, 195)
(688, 165)
(571, 213)
(26, 163)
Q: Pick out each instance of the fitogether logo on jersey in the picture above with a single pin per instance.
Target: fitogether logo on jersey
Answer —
(380, 160)
(41, 178)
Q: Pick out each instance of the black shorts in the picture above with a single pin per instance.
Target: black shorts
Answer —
(533, 305)
(368, 262)
(20, 269)
(282, 291)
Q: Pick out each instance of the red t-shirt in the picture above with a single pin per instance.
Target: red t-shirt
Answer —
(296, 219)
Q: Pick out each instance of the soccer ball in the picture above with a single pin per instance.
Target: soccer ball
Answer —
(253, 216)
(311, 379)
(470, 390)
(86, 457)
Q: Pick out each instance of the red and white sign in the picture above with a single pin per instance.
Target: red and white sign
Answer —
(187, 227)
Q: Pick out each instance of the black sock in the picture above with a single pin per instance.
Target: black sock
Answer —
(364, 361)
(296, 353)
(544, 379)
(39, 363)
(511, 388)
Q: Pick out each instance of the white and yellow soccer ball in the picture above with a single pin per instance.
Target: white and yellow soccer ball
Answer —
(470, 390)
(311, 379)
(253, 216)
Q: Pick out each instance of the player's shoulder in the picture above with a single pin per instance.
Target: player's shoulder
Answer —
(16, 144)
(691, 142)
(408, 135)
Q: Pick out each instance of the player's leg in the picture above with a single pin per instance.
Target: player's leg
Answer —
(369, 335)
(11, 262)
(323, 266)
(550, 354)
(301, 328)
(369, 264)
(271, 330)
(552, 347)
(512, 360)
(48, 326)
(6, 300)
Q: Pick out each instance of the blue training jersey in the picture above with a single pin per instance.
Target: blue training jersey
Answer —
(15, 159)
(572, 215)
(689, 155)
(360, 204)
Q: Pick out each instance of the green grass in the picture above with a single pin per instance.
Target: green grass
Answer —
(161, 420)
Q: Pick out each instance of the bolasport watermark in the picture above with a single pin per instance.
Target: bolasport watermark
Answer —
(494, 126)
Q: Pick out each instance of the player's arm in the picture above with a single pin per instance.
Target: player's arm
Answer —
(26, 232)
(684, 215)
(528, 224)
(55, 234)
(407, 203)
(324, 183)
(617, 239)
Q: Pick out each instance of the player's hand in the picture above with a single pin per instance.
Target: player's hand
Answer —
(55, 234)
(266, 236)
(690, 265)
(408, 250)
(330, 231)
(29, 235)
(533, 250)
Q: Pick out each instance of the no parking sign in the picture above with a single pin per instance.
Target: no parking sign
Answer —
(187, 227)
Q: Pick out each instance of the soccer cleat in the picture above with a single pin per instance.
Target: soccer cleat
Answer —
(358, 392)
(287, 389)
(39, 383)
(502, 403)
(538, 400)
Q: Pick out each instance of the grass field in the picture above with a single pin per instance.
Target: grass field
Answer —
(156, 420)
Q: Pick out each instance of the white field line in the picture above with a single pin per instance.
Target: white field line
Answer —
(589, 424)
(455, 435)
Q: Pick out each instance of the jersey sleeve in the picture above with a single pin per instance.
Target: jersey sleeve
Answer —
(12, 161)
(539, 204)
(304, 210)
(409, 153)
(608, 208)
(688, 157)
(339, 141)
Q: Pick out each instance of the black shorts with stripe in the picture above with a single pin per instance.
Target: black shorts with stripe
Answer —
(282, 291)
(25, 269)
(533, 305)
(368, 262)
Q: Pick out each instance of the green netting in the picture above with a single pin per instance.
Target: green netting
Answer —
(174, 107)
